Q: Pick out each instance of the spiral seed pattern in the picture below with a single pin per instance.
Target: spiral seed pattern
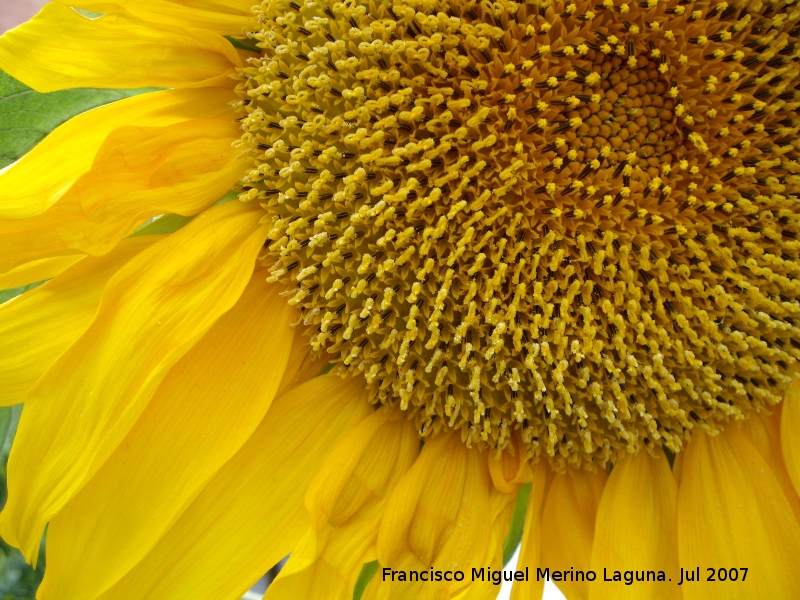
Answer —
(570, 222)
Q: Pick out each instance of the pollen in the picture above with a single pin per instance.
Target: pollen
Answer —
(570, 222)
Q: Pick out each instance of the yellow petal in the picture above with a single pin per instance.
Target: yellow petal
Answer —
(732, 514)
(568, 526)
(636, 530)
(333, 574)
(204, 411)
(361, 468)
(511, 468)
(501, 510)
(138, 173)
(530, 551)
(677, 467)
(59, 49)
(226, 17)
(436, 517)
(251, 513)
(36, 328)
(790, 433)
(37, 270)
(41, 177)
(345, 502)
(302, 365)
(152, 312)
(765, 433)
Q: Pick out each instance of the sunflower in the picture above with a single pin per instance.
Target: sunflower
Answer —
(542, 245)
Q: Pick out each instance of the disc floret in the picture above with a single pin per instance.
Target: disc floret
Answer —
(569, 222)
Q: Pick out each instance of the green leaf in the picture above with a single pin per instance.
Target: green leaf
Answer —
(367, 573)
(327, 369)
(517, 522)
(670, 457)
(232, 195)
(18, 581)
(88, 13)
(170, 223)
(9, 419)
(244, 44)
(26, 116)
(12, 293)
(163, 224)
(5, 423)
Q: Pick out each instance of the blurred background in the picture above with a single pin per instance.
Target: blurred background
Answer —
(14, 12)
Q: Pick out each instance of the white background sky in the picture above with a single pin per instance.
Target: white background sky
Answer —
(14, 12)
(551, 592)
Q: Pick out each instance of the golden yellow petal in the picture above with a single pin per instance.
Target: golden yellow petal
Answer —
(636, 530)
(436, 517)
(345, 502)
(152, 312)
(204, 411)
(732, 514)
(333, 574)
(790, 433)
(502, 510)
(138, 173)
(530, 551)
(362, 468)
(302, 366)
(60, 48)
(511, 468)
(251, 514)
(502, 507)
(677, 467)
(568, 526)
(765, 433)
(226, 17)
(36, 328)
(41, 177)
(37, 270)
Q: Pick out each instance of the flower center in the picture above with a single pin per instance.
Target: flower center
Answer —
(574, 221)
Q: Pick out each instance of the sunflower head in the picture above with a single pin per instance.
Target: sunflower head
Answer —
(533, 237)
(572, 221)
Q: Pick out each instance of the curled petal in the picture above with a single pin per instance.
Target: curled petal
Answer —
(206, 408)
(58, 49)
(152, 312)
(251, 513)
